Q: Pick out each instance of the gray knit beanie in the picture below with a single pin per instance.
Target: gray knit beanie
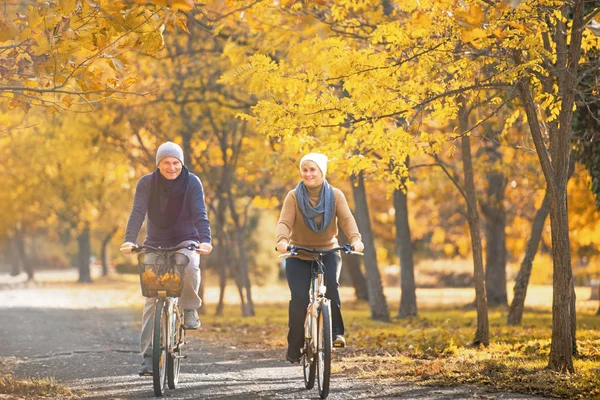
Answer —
(169, 149)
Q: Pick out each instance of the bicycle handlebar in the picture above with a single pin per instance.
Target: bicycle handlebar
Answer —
(139, 247)
(347, 248)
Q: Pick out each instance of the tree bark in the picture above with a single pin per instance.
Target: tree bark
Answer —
(83, 257)
(377, 300)
(515, 314)
(352, 265)
(222, 262)
(22, 254)
(105, 251)
(248, 310)
(13, 258)
(495, 225)
(561, 349)
(482, 334)
(408, 296)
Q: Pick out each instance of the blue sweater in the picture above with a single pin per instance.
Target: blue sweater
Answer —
(192, 223)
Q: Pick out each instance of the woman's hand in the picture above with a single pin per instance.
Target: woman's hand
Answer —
(282, 247)
(127, 248)
(204, 248)
(358, 246)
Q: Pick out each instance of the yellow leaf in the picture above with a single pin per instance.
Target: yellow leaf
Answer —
(67, 6)
(182, 23)
(183, 5)
(8, 31)
(470, 35)
(67, 101)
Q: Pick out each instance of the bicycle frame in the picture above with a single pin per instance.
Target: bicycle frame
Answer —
(318, 343)
(167, 351)
(317, 298)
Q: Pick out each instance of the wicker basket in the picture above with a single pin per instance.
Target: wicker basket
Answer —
(161, 274)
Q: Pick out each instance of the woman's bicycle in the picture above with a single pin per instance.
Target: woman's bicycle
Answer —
(161, 277)
(316, 353)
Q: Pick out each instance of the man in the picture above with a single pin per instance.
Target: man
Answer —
(173, 200)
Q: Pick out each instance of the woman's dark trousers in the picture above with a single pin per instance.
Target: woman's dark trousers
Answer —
(298, 274)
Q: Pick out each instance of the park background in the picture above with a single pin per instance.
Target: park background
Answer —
(423, 110)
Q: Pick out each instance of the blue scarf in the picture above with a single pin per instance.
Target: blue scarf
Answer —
(324, 207)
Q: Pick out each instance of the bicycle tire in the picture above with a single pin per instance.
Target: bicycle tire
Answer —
(173, 364)
(323, 356)
(159, 348)
(309, 368)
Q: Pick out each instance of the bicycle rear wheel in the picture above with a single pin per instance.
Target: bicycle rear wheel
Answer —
(173, 364)
(323, 356)
(160, 348)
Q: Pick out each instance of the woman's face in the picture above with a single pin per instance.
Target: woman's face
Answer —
(311, 174)
(170, 167)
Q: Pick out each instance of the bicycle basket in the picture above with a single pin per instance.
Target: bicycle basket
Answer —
(159, 272)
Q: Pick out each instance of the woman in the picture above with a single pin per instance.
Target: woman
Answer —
(172, 199)
(309, 218)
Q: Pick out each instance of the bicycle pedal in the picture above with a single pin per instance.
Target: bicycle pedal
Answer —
(339, 345)
(145, 374)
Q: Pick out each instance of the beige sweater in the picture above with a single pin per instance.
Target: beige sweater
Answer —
(291, 226)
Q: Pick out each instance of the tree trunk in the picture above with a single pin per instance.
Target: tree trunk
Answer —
(83, 257)
(248, 310)
(482, 334)
(223, 258)
(515, 314)
(377, 300)
(13, 258)
(495, 225)
(352, 265)
(22, 254)
(222, 263)
(561, 348)
(105, 251)
(408, 296)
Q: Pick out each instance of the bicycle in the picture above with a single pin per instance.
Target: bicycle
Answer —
(317, 324)
(161, 278)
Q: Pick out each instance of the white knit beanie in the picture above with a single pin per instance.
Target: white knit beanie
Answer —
(319, 159)
(169, 149)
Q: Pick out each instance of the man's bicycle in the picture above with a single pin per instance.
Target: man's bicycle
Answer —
(161, 277)
(316, 353)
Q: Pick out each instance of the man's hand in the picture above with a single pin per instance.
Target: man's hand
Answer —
(358, 246)
(127, 248)
(282, 247)
(204, 248)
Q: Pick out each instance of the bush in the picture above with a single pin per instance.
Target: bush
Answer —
(126, 268)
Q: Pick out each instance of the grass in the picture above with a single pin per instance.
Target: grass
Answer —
(434, 348)
(30, 388)
(33, 388)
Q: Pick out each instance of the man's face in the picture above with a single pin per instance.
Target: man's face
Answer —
(170, 167)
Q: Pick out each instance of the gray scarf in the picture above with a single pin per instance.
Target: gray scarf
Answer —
(324, 207)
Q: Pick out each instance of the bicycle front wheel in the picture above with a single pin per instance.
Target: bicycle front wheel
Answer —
(160, 348)
(323, 356)
(308, 358)
(173, 365)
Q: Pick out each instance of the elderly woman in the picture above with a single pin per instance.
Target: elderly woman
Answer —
(309, 218)
(171, 201)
